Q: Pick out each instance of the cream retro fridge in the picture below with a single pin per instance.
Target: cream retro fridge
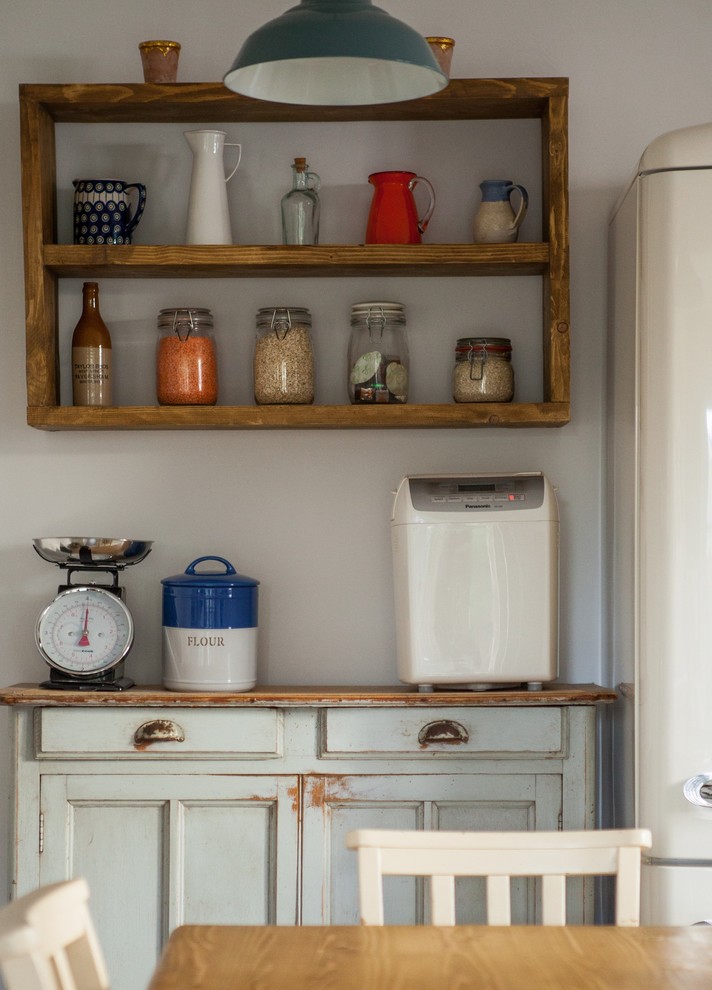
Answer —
(659, 486)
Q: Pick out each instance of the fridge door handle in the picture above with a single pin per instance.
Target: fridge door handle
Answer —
(698, 790)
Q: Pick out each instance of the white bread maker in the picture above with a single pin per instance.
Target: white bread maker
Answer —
(476, 571)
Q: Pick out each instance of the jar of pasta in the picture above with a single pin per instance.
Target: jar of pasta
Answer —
(483, 370)
(283, 358)
(186, 359)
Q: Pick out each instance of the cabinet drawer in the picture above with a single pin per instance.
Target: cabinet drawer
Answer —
(456, 732)
(157, 733)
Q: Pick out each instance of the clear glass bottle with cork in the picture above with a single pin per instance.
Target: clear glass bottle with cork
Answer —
(300, 206)
(91, 354)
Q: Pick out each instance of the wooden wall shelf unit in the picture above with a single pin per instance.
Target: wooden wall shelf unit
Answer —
(46, 261)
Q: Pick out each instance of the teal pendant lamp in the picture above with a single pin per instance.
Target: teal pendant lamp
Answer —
(335, 53)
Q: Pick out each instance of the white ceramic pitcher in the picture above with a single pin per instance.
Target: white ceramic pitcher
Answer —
(208, 215)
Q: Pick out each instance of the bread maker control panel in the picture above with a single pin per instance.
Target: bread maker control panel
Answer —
(466, 494)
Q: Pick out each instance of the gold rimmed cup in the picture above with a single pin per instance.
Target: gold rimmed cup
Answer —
(442, 50)
(160, 61)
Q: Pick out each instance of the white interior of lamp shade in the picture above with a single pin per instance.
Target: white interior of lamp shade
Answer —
(335, 81)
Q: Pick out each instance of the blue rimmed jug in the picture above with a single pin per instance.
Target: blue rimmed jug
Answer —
(496, 221)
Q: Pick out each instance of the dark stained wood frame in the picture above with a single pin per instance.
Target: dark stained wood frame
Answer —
(42, 106)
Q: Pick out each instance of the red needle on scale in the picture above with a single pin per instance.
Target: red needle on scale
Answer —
(84, 641)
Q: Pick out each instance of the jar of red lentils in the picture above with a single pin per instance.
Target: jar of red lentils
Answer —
(186, 359)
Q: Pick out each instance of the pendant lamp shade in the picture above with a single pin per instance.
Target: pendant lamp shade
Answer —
(335, 53)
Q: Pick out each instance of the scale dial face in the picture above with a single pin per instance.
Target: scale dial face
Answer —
(85, 630)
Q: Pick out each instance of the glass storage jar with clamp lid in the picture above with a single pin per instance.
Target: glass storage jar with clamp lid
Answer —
(283, 358)
(483, 370)
(186, 359)
(378, 353)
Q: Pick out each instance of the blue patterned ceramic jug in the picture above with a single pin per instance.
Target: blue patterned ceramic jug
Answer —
(496, 222)
(102, 210)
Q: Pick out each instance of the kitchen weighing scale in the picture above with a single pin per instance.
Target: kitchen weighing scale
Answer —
(86, 631)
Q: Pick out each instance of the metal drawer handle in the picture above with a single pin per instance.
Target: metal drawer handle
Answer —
(160, 730)
(443, 731)
(698, 790)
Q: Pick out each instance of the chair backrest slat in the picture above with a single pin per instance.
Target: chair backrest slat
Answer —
(499, 900)
(442, 900)
(499, 856)
(553, 899)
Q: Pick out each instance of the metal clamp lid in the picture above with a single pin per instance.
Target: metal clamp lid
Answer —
(492, 345)
(281, 319)
(185, 321)
(378, 310)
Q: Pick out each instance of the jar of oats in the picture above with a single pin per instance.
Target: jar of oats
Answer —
(283, 358)
(483, 370)
(186, 360)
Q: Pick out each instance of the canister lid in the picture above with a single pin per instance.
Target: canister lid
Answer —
(283, 317)
(387, 309)
(491, 343)
(185, 321)
(378, 315)
(217, 580)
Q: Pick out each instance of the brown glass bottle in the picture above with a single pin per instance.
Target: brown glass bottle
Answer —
(91, 354)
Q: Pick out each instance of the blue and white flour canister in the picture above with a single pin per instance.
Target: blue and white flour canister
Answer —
(209, 629)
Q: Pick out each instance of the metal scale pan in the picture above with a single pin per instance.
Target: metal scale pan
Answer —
(87, 551)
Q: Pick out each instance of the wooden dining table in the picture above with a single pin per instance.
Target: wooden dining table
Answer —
(225, 957)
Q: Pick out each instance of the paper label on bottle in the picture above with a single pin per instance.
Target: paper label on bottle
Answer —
(91, 376)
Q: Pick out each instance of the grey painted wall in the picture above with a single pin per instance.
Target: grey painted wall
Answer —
(307, 513)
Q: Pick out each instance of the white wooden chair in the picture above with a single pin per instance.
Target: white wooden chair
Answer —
(498, 856)
(48, 941)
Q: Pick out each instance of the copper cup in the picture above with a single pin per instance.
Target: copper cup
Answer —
(160, 61)
(442, 50)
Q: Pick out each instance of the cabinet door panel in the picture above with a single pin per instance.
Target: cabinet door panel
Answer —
(117, 845)
(482, 802)
(227, 873)
(163, 851)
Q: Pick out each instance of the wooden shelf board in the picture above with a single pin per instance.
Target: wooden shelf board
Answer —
(300, 696)
(270, 260)
(471, 99)
(298, 417)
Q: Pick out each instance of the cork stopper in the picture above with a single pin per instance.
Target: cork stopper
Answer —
(300, 164)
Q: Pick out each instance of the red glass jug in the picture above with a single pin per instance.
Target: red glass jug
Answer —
(393, 218)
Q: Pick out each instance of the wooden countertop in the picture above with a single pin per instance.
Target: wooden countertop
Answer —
(153, 696)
